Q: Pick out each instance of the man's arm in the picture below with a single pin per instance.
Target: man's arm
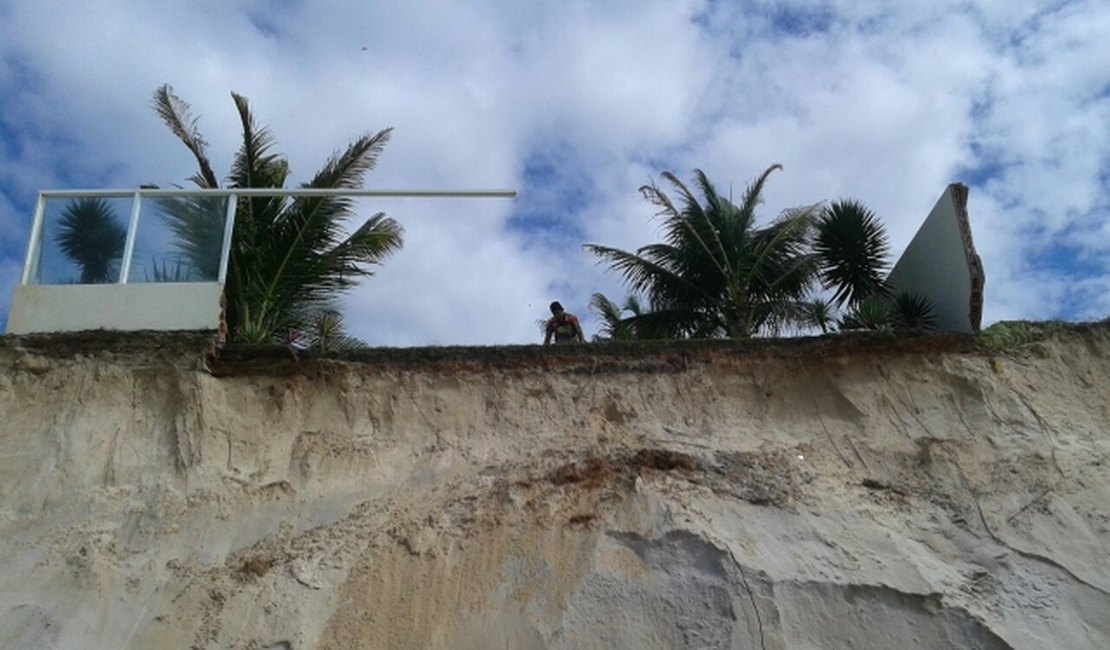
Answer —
(578, 331)
(547, 331)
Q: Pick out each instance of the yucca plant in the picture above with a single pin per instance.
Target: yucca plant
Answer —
(913, 312)
(902, 312)
(853, 250)
(874, 313)
(91, 236)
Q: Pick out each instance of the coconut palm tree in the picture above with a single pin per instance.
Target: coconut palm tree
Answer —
(91, 236)
(633, 320)
(289, 256)
(820, 313)
(611, 316)
(328, 333)
(197, 223)
(717, 274)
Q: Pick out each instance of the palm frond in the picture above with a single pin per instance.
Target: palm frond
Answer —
(314, 224)
(718, 218)
(642, 274)
(175, 114)
(610, 315)
(606, 308)
(347, 170)
(671, 323)
(753, 195)
(254, 166)
(692, 223)
(327, 332)
(197, 224)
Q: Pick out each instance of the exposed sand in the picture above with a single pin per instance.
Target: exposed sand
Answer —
(862, 493)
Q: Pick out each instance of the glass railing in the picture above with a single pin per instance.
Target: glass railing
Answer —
(156, 235)
(108, 237)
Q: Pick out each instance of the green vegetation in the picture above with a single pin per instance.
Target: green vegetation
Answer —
(91, 236)
(616, 326)
(327, 333)
(852, 246)
(197, 223)
(290, 257)
(717, 275)
(1006, 335)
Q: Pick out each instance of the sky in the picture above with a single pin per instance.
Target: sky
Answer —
(575, 105)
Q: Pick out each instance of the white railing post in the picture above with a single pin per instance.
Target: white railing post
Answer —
(229, 229)
(34, 245)
(129, 247)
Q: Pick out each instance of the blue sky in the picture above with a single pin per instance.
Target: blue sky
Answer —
(576, 105)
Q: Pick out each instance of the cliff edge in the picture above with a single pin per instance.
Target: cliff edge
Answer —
(849, 492)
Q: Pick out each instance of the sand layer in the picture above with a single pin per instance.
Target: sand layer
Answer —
(860, 493)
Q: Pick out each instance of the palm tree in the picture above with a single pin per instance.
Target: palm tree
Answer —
(328, 333)
(717, 274)
(289, 256)
(912, 312)
(819, 313)
(853, 250)
(615, 326)
(197, 223)
(611, 316)
(91, 236)
(632, 320)
(900, 311)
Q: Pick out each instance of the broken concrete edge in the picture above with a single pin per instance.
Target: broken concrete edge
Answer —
(940, 265)
(959, 193)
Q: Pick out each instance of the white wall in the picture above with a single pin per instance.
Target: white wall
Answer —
(146, 306)
(941, 264)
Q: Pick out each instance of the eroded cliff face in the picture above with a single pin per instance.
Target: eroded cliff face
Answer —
(848, 493)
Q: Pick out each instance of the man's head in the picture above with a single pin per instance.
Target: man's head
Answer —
(556, 308)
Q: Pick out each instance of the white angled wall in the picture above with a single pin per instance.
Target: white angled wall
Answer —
(941, 264)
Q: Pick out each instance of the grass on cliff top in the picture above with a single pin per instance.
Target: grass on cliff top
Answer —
(1009, 334)
(1001, 336)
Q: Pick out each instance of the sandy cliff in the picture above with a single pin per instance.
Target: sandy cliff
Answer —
(848, 493)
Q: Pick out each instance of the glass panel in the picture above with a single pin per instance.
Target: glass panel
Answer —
(179, 239)
(82, 240)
